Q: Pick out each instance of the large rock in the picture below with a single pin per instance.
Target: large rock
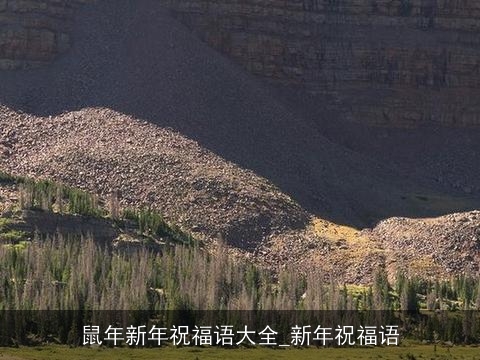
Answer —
(33, 33)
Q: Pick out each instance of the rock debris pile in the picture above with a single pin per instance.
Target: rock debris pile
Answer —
(445, 245)
(106, 152)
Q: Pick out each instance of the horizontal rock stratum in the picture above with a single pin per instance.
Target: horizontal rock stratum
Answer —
(35, 32)
(392, 63)
(383, 62)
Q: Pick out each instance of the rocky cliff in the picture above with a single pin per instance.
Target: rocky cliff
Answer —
(383, 62)
(34, 32)
(386, 62)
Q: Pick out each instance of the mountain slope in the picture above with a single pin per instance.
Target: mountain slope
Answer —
(110, 153)
(132, 57)
(141, 108)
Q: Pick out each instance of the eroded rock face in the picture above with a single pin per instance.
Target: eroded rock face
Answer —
(34, 32)
(384, 62)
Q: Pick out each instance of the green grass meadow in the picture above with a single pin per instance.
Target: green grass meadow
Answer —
(407, 352)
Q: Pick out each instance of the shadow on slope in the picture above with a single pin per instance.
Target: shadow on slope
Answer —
(131, 56)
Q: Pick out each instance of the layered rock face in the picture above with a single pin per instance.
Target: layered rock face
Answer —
(34, 32)
(383, 62)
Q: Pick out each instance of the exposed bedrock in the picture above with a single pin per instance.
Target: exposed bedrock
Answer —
(382, 62)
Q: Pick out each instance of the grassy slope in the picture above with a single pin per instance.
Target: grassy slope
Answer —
(400, 352)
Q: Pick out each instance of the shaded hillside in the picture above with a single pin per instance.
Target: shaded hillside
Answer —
(132, 57)
(38, 210)
(145, 166)
(395, 63)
